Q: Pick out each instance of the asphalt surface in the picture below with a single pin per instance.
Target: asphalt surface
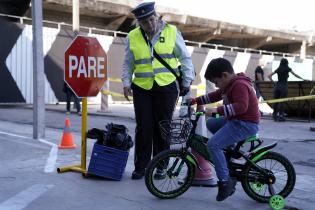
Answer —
(28, 179)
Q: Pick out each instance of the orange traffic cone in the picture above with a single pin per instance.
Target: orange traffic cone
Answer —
(67, 137)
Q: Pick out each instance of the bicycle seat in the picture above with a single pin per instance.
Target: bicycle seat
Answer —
(252, 138)
(254, 141)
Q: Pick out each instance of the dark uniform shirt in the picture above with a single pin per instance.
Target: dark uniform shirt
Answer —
(283, 75)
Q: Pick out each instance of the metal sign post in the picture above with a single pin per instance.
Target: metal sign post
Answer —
(85, 73)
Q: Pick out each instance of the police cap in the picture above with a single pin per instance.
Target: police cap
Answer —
(144, 10)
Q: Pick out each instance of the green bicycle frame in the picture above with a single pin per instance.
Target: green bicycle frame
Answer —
(197, 143)
(261, 151)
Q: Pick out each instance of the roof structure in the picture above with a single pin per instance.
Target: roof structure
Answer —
(115, 15)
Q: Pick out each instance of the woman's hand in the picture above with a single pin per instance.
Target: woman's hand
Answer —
(127, 92)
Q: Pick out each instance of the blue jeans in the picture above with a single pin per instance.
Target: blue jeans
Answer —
(226, 133)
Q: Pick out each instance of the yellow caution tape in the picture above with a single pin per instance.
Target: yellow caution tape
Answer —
(298, 98)
(213, 105)
(194, 87)
(114, 79)
(106, 92)
(199, 87)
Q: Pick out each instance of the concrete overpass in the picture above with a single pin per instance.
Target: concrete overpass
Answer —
(115, 15)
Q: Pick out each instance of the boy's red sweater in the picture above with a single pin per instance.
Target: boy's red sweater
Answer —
(239, 100)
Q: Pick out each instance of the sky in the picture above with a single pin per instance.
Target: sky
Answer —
(297, 15)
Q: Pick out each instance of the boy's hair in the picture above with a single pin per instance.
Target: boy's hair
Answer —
(216, 67)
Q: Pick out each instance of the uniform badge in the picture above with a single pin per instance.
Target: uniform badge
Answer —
(162, 39)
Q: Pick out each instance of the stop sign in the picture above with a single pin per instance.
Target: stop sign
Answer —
(85, 66)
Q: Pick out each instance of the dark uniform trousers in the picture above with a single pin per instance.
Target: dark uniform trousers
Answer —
(151, 106)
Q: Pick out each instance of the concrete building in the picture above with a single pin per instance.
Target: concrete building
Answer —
(115, 15)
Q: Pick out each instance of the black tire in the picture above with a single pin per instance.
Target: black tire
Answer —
(181, 182)
(275, 160)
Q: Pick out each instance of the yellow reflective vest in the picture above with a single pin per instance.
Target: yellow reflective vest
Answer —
(148, 69)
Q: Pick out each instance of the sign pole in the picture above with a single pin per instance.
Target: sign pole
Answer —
(76, 29)
(82, 167)
(83, 134)
(85, 73)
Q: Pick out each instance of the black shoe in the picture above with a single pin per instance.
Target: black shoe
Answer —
(160, 174)
(137, 174)
(226, 189)
(281, 119)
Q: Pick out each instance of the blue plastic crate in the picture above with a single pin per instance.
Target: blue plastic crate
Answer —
(108, 162)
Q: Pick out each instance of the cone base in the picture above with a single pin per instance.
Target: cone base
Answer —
(67, 147)
(205, 183)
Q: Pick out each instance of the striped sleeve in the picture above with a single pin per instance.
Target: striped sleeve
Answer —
(228, 110)
(208, 98)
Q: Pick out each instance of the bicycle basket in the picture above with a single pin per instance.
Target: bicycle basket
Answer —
(175, 131)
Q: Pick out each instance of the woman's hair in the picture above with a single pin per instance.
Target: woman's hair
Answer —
(216, 67)
(284, 62)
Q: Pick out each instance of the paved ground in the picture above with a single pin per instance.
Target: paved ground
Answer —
(28, 178)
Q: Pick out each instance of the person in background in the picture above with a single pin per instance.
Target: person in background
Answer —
(239, 117)
(154, 88)
(69, 95)
(281, 88)
(259, 76)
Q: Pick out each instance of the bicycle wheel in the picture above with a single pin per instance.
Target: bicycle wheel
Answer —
(283, 178)
(178, 174)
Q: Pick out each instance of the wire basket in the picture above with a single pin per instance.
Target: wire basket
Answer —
(175, 131)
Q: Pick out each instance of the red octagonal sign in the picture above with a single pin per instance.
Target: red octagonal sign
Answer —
(85, 66)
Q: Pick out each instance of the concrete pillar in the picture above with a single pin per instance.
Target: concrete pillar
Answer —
(303, 50)
(76, 16)
(38, 74)
(104, 101)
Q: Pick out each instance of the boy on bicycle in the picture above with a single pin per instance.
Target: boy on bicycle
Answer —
(239, 117)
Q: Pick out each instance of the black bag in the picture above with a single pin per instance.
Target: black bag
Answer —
(117, 137)
(158, 57)
(98, 134)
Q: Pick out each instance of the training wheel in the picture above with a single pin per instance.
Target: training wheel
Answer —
(276, 202)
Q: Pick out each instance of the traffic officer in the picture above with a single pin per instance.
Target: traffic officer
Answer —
(154, 88)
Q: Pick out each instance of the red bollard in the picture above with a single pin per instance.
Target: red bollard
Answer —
(203, 177)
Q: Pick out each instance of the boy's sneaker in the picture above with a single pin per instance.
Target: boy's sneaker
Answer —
(160, 174)
(226, 189)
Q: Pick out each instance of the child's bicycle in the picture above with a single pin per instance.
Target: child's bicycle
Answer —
(263, 173)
